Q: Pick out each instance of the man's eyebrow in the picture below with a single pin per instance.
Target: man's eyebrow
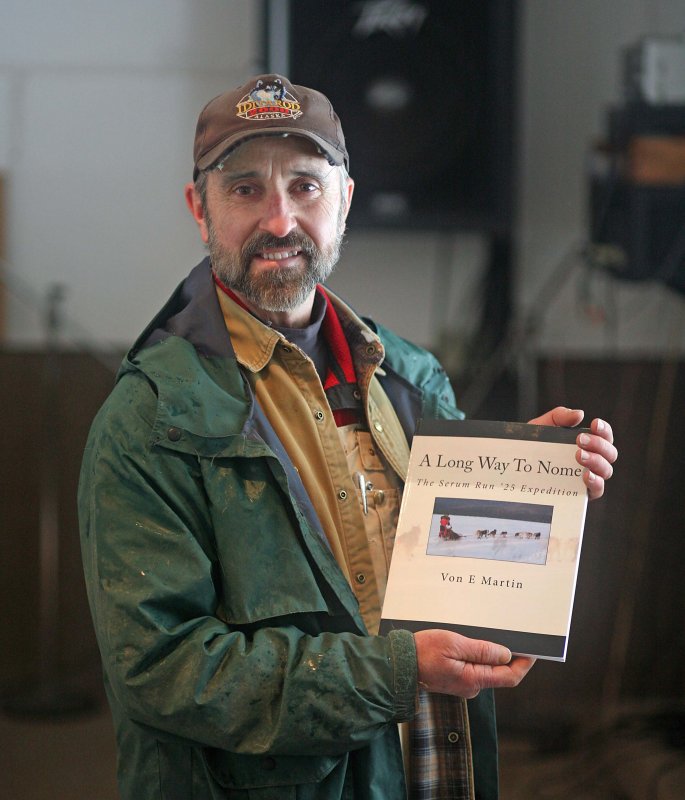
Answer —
(320, 174)
(237, 176)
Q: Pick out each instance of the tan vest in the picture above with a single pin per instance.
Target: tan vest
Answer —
(352, 476)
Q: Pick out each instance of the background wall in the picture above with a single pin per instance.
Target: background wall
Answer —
(98, 103)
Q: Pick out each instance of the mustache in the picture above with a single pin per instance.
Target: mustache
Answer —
(266, 241)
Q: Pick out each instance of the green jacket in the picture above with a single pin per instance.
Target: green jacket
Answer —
(236, 662)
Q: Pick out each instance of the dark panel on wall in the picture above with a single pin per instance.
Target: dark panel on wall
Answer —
(629, 611)
(29, 439)
(630, 575)
(425, 93)
(646, 222)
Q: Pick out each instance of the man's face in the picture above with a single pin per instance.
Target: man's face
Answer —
(275, 218)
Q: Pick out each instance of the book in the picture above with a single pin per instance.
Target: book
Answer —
(489, 535)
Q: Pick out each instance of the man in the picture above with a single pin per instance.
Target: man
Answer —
(238, 500)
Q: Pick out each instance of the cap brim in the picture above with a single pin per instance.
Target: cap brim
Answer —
(209, 158)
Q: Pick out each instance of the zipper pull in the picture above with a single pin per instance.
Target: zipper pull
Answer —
(361, 480)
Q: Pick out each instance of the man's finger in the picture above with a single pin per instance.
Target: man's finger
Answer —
(602, 428)
(561, 417)
(507, 677)
(475, 651)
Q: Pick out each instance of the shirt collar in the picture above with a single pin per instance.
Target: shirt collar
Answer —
(252, 340)
(352, 342)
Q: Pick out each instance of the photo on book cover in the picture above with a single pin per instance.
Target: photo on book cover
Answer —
(490, 529)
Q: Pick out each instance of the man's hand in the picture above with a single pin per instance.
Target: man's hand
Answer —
(596, 451)
(453, 664)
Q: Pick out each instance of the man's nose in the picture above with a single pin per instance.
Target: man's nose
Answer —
(278, 218)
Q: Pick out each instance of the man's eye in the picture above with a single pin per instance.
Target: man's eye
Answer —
(307, 186)
(243, 190)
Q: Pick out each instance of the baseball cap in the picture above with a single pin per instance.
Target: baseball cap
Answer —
(267, 104)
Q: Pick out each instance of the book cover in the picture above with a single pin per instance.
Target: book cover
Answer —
(489, 535)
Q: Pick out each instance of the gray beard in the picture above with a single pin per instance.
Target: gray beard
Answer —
(280, 289)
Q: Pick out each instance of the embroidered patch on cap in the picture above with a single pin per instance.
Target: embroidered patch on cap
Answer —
(268, 100)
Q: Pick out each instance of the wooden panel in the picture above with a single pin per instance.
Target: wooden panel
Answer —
(631, 568)
(629, 615)
(32, 430)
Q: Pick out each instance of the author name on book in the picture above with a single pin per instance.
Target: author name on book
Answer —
(485, 580)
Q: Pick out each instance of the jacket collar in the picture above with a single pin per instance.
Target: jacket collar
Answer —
(192, 313)
(186, 353)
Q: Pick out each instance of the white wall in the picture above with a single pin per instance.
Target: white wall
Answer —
(98, 102)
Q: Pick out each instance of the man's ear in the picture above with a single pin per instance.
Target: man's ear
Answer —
(347, 194)
(194, 203)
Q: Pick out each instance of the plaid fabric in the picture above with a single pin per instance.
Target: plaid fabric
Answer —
(439, 753)
(340, 384)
